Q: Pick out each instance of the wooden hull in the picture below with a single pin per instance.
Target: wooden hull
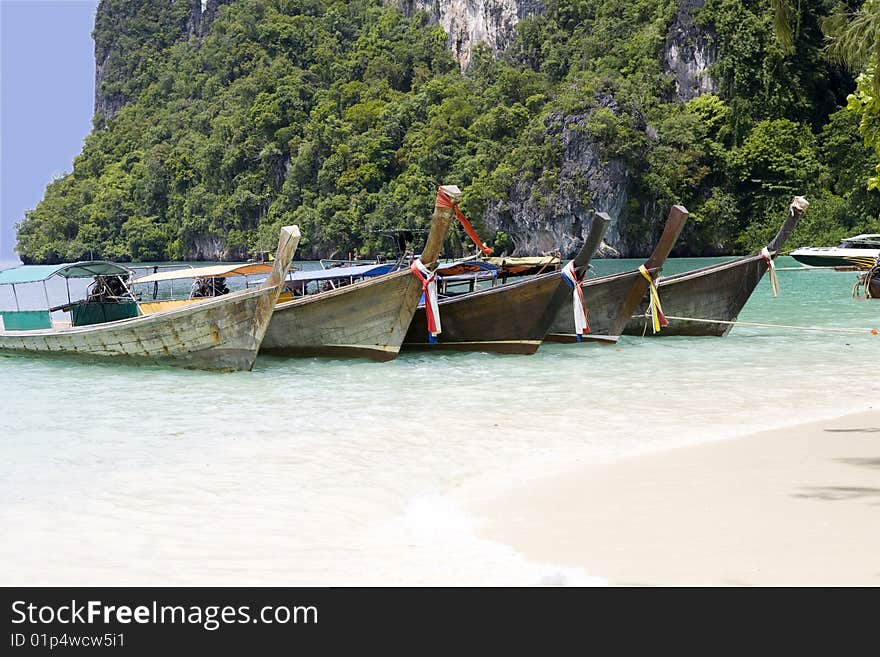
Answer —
(718, 292)
(611, 300)
(217, 334)
(605, 298)
(507, 319)
(369, 319)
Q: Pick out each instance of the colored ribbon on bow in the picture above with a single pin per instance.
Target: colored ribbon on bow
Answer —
(658, 319)
(581, 325)
(771, 267)
(443, 201)
(429, 289)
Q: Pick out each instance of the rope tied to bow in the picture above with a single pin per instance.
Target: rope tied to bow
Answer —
(771, 268)
(444, 201)
(581, 324)
(658, 319)
(428, 280)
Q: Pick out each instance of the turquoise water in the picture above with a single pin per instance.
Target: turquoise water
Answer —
(321, 471)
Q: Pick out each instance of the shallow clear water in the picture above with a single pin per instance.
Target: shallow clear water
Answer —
(323, 472)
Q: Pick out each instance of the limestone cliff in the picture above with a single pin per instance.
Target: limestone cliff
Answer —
(588, 180)
(689, 53)
(468, 22)
(556, 219)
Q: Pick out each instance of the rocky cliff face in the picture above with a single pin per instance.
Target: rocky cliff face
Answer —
(587, 180)
(201, 13)
(689, 53)
(586, 183)
(129, 31)
(468, 22)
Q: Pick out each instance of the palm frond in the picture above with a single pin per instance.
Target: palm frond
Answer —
(783, 18)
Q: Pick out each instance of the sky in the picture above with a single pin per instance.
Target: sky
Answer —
(47, 93)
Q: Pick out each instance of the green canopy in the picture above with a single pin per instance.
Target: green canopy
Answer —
(37, 273)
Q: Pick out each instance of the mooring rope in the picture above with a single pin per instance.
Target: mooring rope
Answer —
(823, 329)
(864, 280)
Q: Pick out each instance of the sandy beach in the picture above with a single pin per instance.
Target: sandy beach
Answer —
(792, 507)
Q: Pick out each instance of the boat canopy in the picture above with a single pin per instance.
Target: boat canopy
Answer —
(212, 271)
(334, 273)
(536, 261)
(867, 238)
(449, 269)
(36, 273)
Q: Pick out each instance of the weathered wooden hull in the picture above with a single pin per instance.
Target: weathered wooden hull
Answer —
(605, 298)
(509, 319)
(218, 334)
(369, 319)
(718, 292)
(221, 333)
(611, 300)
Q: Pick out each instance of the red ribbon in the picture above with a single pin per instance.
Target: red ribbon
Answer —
(443, 201)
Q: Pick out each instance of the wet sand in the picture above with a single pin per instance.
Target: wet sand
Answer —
(790, 507)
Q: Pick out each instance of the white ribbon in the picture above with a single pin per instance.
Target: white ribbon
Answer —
(771, 267)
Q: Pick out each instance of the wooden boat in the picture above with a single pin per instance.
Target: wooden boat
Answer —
(718, 292)
(220, 333)
(511, 319)
(868, 283)
(611, 300)
(368, 318)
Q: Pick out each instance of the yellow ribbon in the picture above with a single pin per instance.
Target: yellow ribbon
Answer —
(658, 319)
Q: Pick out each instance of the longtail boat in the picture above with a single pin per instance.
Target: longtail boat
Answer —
(218, 333)
(716, 293)
(609, 301)
(512, 318)
(367, 318)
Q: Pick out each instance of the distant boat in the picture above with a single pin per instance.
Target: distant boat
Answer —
(512, 318)
(611, 300)
(215, 333)
(715, 294)
(367, 317)
(857, 252)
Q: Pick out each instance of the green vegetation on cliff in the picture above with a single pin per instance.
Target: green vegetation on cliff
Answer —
(343, 117)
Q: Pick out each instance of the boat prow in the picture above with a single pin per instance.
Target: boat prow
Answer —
(716, 293)
(611, 300)
(367, 318)
(511, 318)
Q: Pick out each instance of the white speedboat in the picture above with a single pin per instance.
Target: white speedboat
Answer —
(854, 252)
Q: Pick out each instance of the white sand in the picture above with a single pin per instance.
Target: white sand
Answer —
(798, 506)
